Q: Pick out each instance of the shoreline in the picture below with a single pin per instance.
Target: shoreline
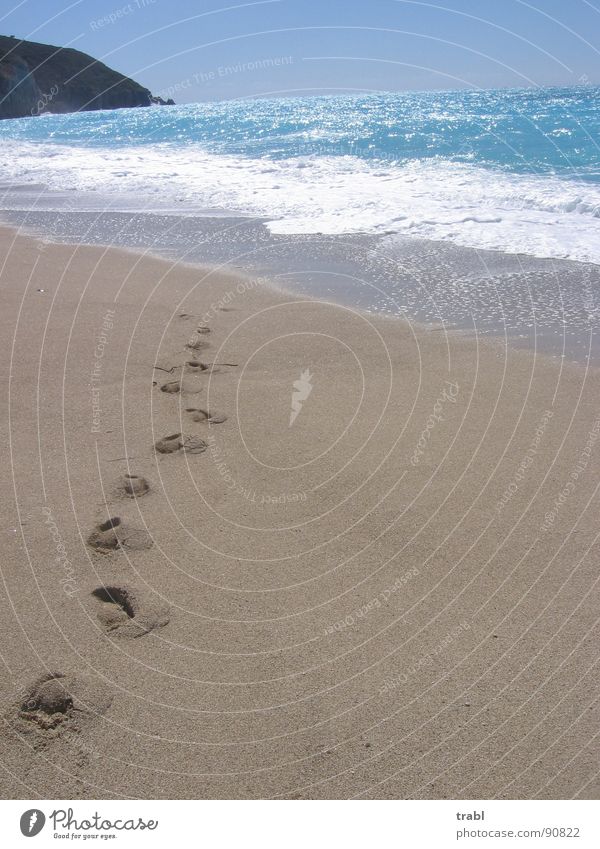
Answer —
(467, 645)
(547, 306)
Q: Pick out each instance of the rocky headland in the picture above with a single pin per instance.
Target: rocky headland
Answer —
(39, 78)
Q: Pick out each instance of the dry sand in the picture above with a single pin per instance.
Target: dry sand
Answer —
(388, 598)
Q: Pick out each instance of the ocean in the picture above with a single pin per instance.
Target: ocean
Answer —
(339, 191)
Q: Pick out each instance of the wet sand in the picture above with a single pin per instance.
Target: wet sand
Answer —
(547, 305)
(363, 564)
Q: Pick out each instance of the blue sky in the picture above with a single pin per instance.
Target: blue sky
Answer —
(214, 49)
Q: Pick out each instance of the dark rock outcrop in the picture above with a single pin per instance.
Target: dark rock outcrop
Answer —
(38, 78)
(159, 101)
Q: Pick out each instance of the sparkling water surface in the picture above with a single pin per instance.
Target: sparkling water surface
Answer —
(511, 170)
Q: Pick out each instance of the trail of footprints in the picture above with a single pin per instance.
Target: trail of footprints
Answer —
(56, 701)
(187, 384)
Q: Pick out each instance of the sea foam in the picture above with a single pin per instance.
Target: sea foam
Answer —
(482, 170)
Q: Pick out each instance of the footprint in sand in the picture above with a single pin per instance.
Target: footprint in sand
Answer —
(55, 701)
(113, 535)
(133, 486)
(195, 367)
(197, 343)
(207, 416)
(186, 387)
(192, 368)
(194, 445)
(180, 442)
(169, 444)
(126, 612)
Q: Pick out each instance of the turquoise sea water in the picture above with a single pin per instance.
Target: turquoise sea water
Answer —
(510, 170)
(552, 130)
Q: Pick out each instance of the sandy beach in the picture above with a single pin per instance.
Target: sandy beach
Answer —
(358, 557)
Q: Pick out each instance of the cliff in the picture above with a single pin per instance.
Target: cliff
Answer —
(37, 78)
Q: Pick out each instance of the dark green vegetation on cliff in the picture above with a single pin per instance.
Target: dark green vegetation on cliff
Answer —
(37, 78)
